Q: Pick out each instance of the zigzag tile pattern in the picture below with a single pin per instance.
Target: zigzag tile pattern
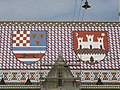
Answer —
(60, 40)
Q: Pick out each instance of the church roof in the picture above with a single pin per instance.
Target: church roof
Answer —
(59, 39)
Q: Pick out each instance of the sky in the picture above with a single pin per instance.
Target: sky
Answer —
(59, 10)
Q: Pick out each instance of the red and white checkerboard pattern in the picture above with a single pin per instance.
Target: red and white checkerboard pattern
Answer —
(21, 38)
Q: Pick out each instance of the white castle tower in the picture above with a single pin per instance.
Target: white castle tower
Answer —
(90, 42)
(90, 48)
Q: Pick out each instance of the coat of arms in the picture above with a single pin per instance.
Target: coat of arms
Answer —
(29, 46)
(90, 46)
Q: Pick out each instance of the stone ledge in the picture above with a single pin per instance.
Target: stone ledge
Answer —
(38, 86)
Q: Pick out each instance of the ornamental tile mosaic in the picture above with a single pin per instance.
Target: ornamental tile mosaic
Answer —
(85, 46)
(84, 75)
(60, 39)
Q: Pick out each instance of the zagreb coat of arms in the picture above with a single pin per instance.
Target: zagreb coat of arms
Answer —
(90, 46)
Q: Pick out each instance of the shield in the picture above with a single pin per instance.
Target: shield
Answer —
(90, 46)
(29, 46)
